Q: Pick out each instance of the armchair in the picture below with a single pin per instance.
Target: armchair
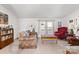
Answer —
(27, 42)
(62, 32)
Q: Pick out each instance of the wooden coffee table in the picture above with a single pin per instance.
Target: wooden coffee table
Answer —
(45, 39)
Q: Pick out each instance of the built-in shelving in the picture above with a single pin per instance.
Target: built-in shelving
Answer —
(6, 37)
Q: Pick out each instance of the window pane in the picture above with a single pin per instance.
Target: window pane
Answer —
(42, 24)
(49, 24)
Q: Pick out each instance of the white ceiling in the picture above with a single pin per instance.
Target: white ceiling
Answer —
(42, 10)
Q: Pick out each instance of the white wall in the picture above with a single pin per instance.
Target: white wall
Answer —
(13, 20)
(26, 22)
(73, 16)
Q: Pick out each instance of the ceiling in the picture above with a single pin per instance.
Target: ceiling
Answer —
(42, 10)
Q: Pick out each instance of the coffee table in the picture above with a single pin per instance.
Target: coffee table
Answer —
(49, 39)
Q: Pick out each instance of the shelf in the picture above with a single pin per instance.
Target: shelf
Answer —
(6, 34)
(6, 29)
(6, 37)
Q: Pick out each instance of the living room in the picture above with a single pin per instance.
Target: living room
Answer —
(37, 27)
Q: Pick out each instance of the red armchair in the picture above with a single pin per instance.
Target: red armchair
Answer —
(62, 32)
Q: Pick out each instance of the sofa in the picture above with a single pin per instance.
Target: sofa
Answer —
(73, 40)
(29, 41)
(61, 32)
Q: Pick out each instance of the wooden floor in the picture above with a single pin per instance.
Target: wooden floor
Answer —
(41, 48)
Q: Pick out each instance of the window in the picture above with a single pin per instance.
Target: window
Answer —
(49, 24)
(46, 27)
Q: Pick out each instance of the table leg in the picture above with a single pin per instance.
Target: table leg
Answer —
(56, 41)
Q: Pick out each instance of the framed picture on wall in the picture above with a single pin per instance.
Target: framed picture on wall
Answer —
(70, 21)
(3, 18)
